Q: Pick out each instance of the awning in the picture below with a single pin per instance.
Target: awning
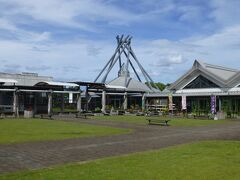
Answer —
(92, 94)
(55, 83)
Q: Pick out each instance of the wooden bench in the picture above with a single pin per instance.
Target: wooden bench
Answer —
(106, 114)
(140, 114)
(81, 116)
(158, 121)
(201, 117)
(46, 116)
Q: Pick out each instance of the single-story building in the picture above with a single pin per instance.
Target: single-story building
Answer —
(204, 89)
(31, 92)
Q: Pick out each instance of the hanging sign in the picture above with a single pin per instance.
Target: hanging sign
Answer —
(213, 104)
(184, 103)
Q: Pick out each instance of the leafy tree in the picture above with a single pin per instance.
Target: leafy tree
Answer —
(160, 85)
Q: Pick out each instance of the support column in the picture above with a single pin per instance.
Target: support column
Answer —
(125, 103)
(62, 102)
(79, 103)
(103, 101)
(50, 104)
(87, 98)
(143, 102)
(219, 104)
(15, 104)
(35, 104)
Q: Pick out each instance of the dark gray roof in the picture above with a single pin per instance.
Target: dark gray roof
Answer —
(222, 76)
(132, 84)
(219, 71)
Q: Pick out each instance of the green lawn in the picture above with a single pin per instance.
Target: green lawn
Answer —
(173, 122)
(26, 130)
(202, 160)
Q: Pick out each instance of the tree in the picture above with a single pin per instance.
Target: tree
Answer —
(160, 85)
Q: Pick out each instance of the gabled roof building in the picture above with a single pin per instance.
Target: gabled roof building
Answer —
(208, 79)
(202, 86)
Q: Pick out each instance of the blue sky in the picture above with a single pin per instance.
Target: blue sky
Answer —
(73, 39)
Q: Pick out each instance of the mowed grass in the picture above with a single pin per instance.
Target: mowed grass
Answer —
(202, 160)
(28, 130)
(173, 122)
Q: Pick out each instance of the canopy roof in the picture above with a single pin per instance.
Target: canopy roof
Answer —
(55, 83)
(92, 94)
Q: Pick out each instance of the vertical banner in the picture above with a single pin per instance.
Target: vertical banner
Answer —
(70, 98)
(170, 102)
(184, 103)
(213, 104)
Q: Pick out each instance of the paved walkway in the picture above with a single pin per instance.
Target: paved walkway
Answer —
(42, 154)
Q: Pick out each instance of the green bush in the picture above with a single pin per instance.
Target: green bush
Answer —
(97, 110)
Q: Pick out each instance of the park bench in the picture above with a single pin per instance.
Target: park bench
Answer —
(46, 116)
(201, 117)
(158, 121)
(140, 114)
(106, 114)
(81, 116)
(152, 114)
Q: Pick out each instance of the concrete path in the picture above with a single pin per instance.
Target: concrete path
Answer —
(145, 137)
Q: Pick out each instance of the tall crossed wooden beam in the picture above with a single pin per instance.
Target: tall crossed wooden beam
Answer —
(124, 49)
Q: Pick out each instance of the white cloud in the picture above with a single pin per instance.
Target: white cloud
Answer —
(7, 25)
(72, 13)
(78, 59)
(165, 60)
(169, 59)
(228, 37)
(225, 12)
(20, 34)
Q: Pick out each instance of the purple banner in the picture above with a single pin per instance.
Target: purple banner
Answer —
(213, 104)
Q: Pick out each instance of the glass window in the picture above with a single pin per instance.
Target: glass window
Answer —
(201, 82)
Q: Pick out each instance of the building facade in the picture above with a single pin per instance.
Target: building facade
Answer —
(206, 89)
(36, 94)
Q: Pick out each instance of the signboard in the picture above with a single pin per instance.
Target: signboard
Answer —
(184, 103)
(213, 104)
